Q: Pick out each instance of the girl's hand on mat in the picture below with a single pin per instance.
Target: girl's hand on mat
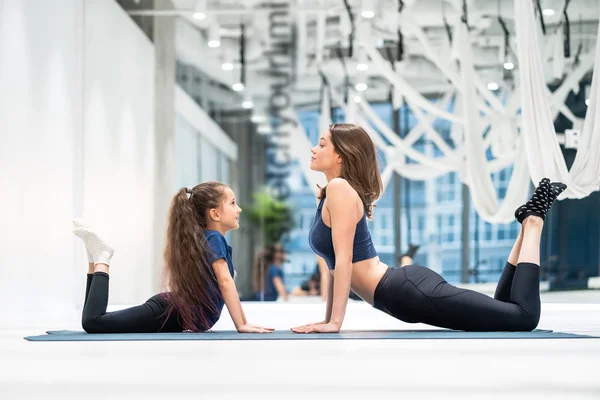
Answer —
(250, 328)
(317, 328)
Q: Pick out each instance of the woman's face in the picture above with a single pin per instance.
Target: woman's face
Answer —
(324, 156)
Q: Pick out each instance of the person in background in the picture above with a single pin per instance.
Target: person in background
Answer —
(312, 286)
(268, 277)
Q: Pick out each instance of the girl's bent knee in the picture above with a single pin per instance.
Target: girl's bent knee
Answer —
(90, 326)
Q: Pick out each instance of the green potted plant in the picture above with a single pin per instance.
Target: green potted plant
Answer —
(271, 217)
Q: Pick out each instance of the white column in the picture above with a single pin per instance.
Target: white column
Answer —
(164, 122)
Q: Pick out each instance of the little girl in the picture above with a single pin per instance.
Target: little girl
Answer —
(198, 268)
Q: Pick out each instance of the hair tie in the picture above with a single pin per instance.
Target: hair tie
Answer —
(188, 190)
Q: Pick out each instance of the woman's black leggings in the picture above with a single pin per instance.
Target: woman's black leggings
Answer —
(148, 317)
(418, 294)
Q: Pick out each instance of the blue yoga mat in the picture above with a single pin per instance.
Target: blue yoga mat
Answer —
(70, 336)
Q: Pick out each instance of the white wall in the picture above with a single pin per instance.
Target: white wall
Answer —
(77, 84)
(40, 124)
(198, 160)
(119, 145)
(187, 143)
(203, 148)
(72, 144)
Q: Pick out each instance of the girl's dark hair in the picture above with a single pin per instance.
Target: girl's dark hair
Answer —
(359, 163)
(188, 272)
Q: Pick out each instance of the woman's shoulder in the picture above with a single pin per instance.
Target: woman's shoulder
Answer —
(340, 189)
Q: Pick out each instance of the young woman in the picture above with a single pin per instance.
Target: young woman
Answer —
(339, 234)
(268, 274)
(197, 265)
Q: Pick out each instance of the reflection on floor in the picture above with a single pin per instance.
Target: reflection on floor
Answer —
(353, 369)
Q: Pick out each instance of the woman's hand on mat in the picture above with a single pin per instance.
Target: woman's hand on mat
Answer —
(317, 323)
(322, 327)
(251, 328)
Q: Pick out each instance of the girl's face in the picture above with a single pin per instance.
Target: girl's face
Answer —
(228, 214)
(324, 157)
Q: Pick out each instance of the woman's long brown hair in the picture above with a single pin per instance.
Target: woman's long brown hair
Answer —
(359, 163)
(188, 272)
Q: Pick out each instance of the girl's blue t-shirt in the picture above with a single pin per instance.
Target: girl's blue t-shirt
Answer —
(219, 249)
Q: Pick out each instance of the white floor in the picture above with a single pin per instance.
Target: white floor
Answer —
(349, 369)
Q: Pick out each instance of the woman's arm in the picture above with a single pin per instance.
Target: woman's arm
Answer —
(325, 278)
(329, 280)
(329, 296)
(343, 228)
(232, 299)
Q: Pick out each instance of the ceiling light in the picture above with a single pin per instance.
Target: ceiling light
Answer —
(548, 12)
(258, 119)
(587, 102)
(362, 66)
(238, 87)
(264, 129)
(509, 65)
(492, 86)
(199, 10)
(368, 8)
(361, 87)
(214, 37)
(357, 99)
(367, 14)
(247, 104)
(227, 66)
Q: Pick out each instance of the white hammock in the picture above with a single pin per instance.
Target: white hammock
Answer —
(477, 173)
(544, 155)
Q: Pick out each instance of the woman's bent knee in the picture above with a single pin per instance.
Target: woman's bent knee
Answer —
(528, 322)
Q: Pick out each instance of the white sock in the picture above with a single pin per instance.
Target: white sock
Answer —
(80, 223)
(100, 251)
(89, 256)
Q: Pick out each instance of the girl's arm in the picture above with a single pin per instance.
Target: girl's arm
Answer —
(232, 299)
